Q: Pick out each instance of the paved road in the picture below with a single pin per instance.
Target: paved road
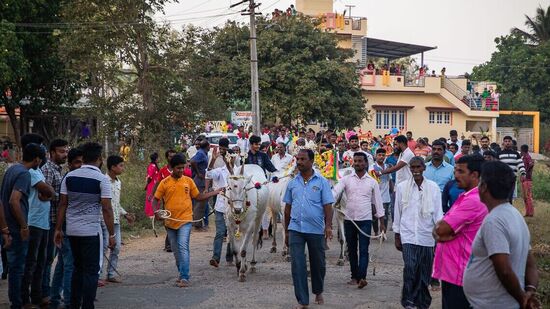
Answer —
(149, 275)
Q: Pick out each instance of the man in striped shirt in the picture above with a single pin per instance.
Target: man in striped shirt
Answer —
(513, 159)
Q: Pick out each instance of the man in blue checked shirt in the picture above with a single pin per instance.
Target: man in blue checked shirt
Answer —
(308, 220)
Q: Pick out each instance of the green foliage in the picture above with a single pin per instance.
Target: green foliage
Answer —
(303, 75)
(29, 62)
(541, 179)
(522, 73)
(539, 27)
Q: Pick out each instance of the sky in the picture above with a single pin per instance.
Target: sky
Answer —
(462, 30)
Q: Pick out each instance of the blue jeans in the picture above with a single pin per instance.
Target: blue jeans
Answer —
(221, 229)
(86, 251)
(50, 255)
(316, 247)
(16, 262)
(34, 266)
(357, 265)
(62, 276)
(179, 241)
(113, 256)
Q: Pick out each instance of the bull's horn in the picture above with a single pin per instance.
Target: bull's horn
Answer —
(242, 170)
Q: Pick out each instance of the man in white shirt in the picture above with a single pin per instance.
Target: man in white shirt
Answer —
(361, 191)
(417, 209)
(353, 148)
(281, 159)
(265, 135)
(403, 173)
(310, 140)
(283, 138)
(219, 178)
(242, 142)
(454, 139)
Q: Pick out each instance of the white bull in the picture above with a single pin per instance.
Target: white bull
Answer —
(339, 208)
(246, 207)
(276, 205)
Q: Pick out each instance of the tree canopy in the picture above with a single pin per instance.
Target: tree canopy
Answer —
(303, 75)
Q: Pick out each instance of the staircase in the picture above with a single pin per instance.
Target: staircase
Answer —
(459, 93)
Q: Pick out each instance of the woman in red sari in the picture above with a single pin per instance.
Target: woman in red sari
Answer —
(152, 179)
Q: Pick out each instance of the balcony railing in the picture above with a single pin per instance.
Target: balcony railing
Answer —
(475, 103)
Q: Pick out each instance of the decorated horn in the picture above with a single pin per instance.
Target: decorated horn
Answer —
(242, 169)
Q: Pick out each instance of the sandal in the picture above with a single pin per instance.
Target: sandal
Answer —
(183, 283)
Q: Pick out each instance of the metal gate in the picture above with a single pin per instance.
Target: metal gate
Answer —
(524, 136)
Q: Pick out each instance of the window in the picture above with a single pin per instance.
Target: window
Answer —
(440, 117)
(390, 118)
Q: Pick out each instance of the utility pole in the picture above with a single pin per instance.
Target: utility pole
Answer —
(255, 91)
(254, 87)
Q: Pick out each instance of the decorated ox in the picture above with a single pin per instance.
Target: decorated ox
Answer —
(246, 198)
(276, 205)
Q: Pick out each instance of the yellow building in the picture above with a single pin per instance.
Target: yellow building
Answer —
(428, 106)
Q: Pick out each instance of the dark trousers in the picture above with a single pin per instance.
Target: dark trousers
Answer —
(417, 271)
(316, 248)
(357, 265)
(199, 207)
(50, 256)
(16, 261)
(86, 251)
(34, 266)
(452, 296)
(4, 262)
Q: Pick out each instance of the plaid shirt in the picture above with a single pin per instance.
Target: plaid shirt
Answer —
(52, 173)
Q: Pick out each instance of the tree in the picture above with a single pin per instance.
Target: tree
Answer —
(303, 75)
(539, 27)
(136, 71)
(29, 63)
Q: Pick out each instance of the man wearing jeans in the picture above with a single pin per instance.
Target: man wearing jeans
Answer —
(15, 191)
(219, 178)
(308, 219)
(52, 173)
(199, 163)
(361, 191)
(39, 225)
(63, 273)
(176, 192)
(85, 195)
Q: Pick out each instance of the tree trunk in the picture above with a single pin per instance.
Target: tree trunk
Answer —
(10, 110)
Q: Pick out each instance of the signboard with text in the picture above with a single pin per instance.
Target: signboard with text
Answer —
(239, 118)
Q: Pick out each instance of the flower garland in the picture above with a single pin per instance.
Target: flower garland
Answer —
(327, 164)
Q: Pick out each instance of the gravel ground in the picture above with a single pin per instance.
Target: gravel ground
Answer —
(149, 275)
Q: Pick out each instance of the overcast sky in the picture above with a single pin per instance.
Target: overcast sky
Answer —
(462, 30)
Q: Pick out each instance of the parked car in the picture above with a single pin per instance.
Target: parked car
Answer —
(214, 138)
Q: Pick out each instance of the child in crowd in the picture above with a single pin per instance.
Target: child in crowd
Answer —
(386, 186)
(115, 167)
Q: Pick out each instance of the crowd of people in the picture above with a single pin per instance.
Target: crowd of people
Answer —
(448, 201)
(57, 205)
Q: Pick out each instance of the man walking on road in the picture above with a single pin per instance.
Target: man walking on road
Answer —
(85, 195)
(308, 221)
(456, 232)
(502, 272)
(361, 191)
(417, 209)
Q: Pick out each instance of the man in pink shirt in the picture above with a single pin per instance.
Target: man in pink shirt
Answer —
(411, 143)
(455, 233)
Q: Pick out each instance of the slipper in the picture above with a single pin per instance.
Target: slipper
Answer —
(352, 282)
(362, 283)
(114, 280)
(214, 263)
(183, 284)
